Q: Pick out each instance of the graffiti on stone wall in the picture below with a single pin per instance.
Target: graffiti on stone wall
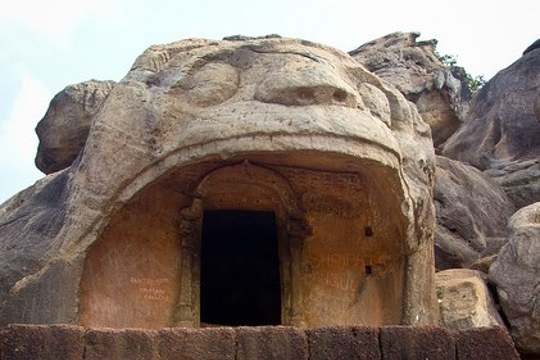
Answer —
(152, 289)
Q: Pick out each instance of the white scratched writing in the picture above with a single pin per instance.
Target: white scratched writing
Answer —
(151, 288)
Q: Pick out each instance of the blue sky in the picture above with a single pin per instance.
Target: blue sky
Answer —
(47, 45)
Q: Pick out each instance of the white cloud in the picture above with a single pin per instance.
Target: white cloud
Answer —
(18, 140)
(29, 106)
(55, 20)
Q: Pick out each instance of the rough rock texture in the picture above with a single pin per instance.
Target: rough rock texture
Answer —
(267, 343)
(483, 264)
(472, 212)
(465, 301)
(118, 345)
(501, 134)
(535, 45)
(276, 343)
(211, 344)
(41, 342)
(537, 107)
(484, 344)
(516, 273)
(335, 343)
(63, 130)
(415, 69)
(239, 111)
(425, 343)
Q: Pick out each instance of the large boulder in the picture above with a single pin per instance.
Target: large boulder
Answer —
(472, 212)
(501, 134)
(535, 45)
(439, 91)
(465, 301)
(344, 161)
(63, 130)
(516, 273)
(537, 107)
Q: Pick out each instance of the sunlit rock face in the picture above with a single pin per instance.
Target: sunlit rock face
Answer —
(63, 130)
(537, 107)
(501, 135)
(414, 67)
(465, 301)
(472, 214)
(339, 158)
(515, 272)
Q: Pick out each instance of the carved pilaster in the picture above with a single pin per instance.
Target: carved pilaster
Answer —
(298, 231)
(187, 312)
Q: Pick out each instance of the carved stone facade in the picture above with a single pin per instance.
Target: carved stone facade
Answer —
(341, 255)
(273, 125)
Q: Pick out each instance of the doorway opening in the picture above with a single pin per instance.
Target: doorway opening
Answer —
(240, 277)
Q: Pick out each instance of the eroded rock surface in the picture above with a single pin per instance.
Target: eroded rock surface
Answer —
(537, 107)
(63, 130)
(465, 301)
(501, 134)
(472, 212)
(516, 273)
(415, 69)
(344, 161)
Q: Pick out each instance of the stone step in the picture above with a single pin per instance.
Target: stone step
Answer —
(68, 342)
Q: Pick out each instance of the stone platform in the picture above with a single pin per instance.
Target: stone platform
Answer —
(385, 343)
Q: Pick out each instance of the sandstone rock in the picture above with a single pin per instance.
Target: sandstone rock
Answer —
(211, 344)
(244, 38)
(415, 69)
(483, 264)
(465, 301)
(485, 344)
(472, 212)
(516, 272)
(118, 345)
(425, 343)
(267, 343)
(537, 107)
(198, 125)
(63, 130)
(328, 343)
(501, 134)
(23, 342)
(335, 343)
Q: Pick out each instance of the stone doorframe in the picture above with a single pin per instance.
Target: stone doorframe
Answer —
(244, 187)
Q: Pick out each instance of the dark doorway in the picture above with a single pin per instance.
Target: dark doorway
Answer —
(240, 280)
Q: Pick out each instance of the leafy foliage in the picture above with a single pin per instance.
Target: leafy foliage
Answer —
(474, 83)
(448, 60)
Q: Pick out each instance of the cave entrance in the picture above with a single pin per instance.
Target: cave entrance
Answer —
(240, 277)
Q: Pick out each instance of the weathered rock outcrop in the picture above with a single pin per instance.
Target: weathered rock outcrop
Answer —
(516, 273)
(340, 156)
(63, 130)
(415, 69)
(472, 212)
(502, 133)
(537, 107)
(535, 45)
(465, 301)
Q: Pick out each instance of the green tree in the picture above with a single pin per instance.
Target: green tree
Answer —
(474, 83)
